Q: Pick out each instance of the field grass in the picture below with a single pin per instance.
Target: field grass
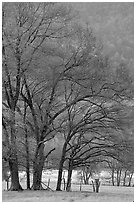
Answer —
(106, 194)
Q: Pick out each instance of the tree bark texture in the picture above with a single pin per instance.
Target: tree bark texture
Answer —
(15, 185)
(27, 148)
(68, 187)
(13, 161)
(61, 167)
(38, 167)
(27, 161)
(28, 178)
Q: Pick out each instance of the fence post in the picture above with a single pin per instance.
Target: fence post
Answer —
(81, 181)
(48, 182)
(80, 186)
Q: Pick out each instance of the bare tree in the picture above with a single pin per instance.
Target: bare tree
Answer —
(26, 27)
(90, 126)
(41, 44)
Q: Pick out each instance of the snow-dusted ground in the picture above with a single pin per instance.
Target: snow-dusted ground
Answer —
(106, 194)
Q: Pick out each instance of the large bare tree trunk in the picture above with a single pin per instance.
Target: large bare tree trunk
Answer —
(27, 149)
(15, 185)
(27, 165)
(12, 95)
(28, 177)
(68, 187)
(38, 168)
(13, 161)
(61, 167)
(27, 160)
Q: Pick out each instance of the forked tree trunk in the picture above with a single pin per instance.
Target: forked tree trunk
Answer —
(38, 168)
(86, 181)
(86, 176)
(130, 179)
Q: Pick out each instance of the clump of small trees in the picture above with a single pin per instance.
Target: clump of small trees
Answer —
(122, 170)
(57, 84)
